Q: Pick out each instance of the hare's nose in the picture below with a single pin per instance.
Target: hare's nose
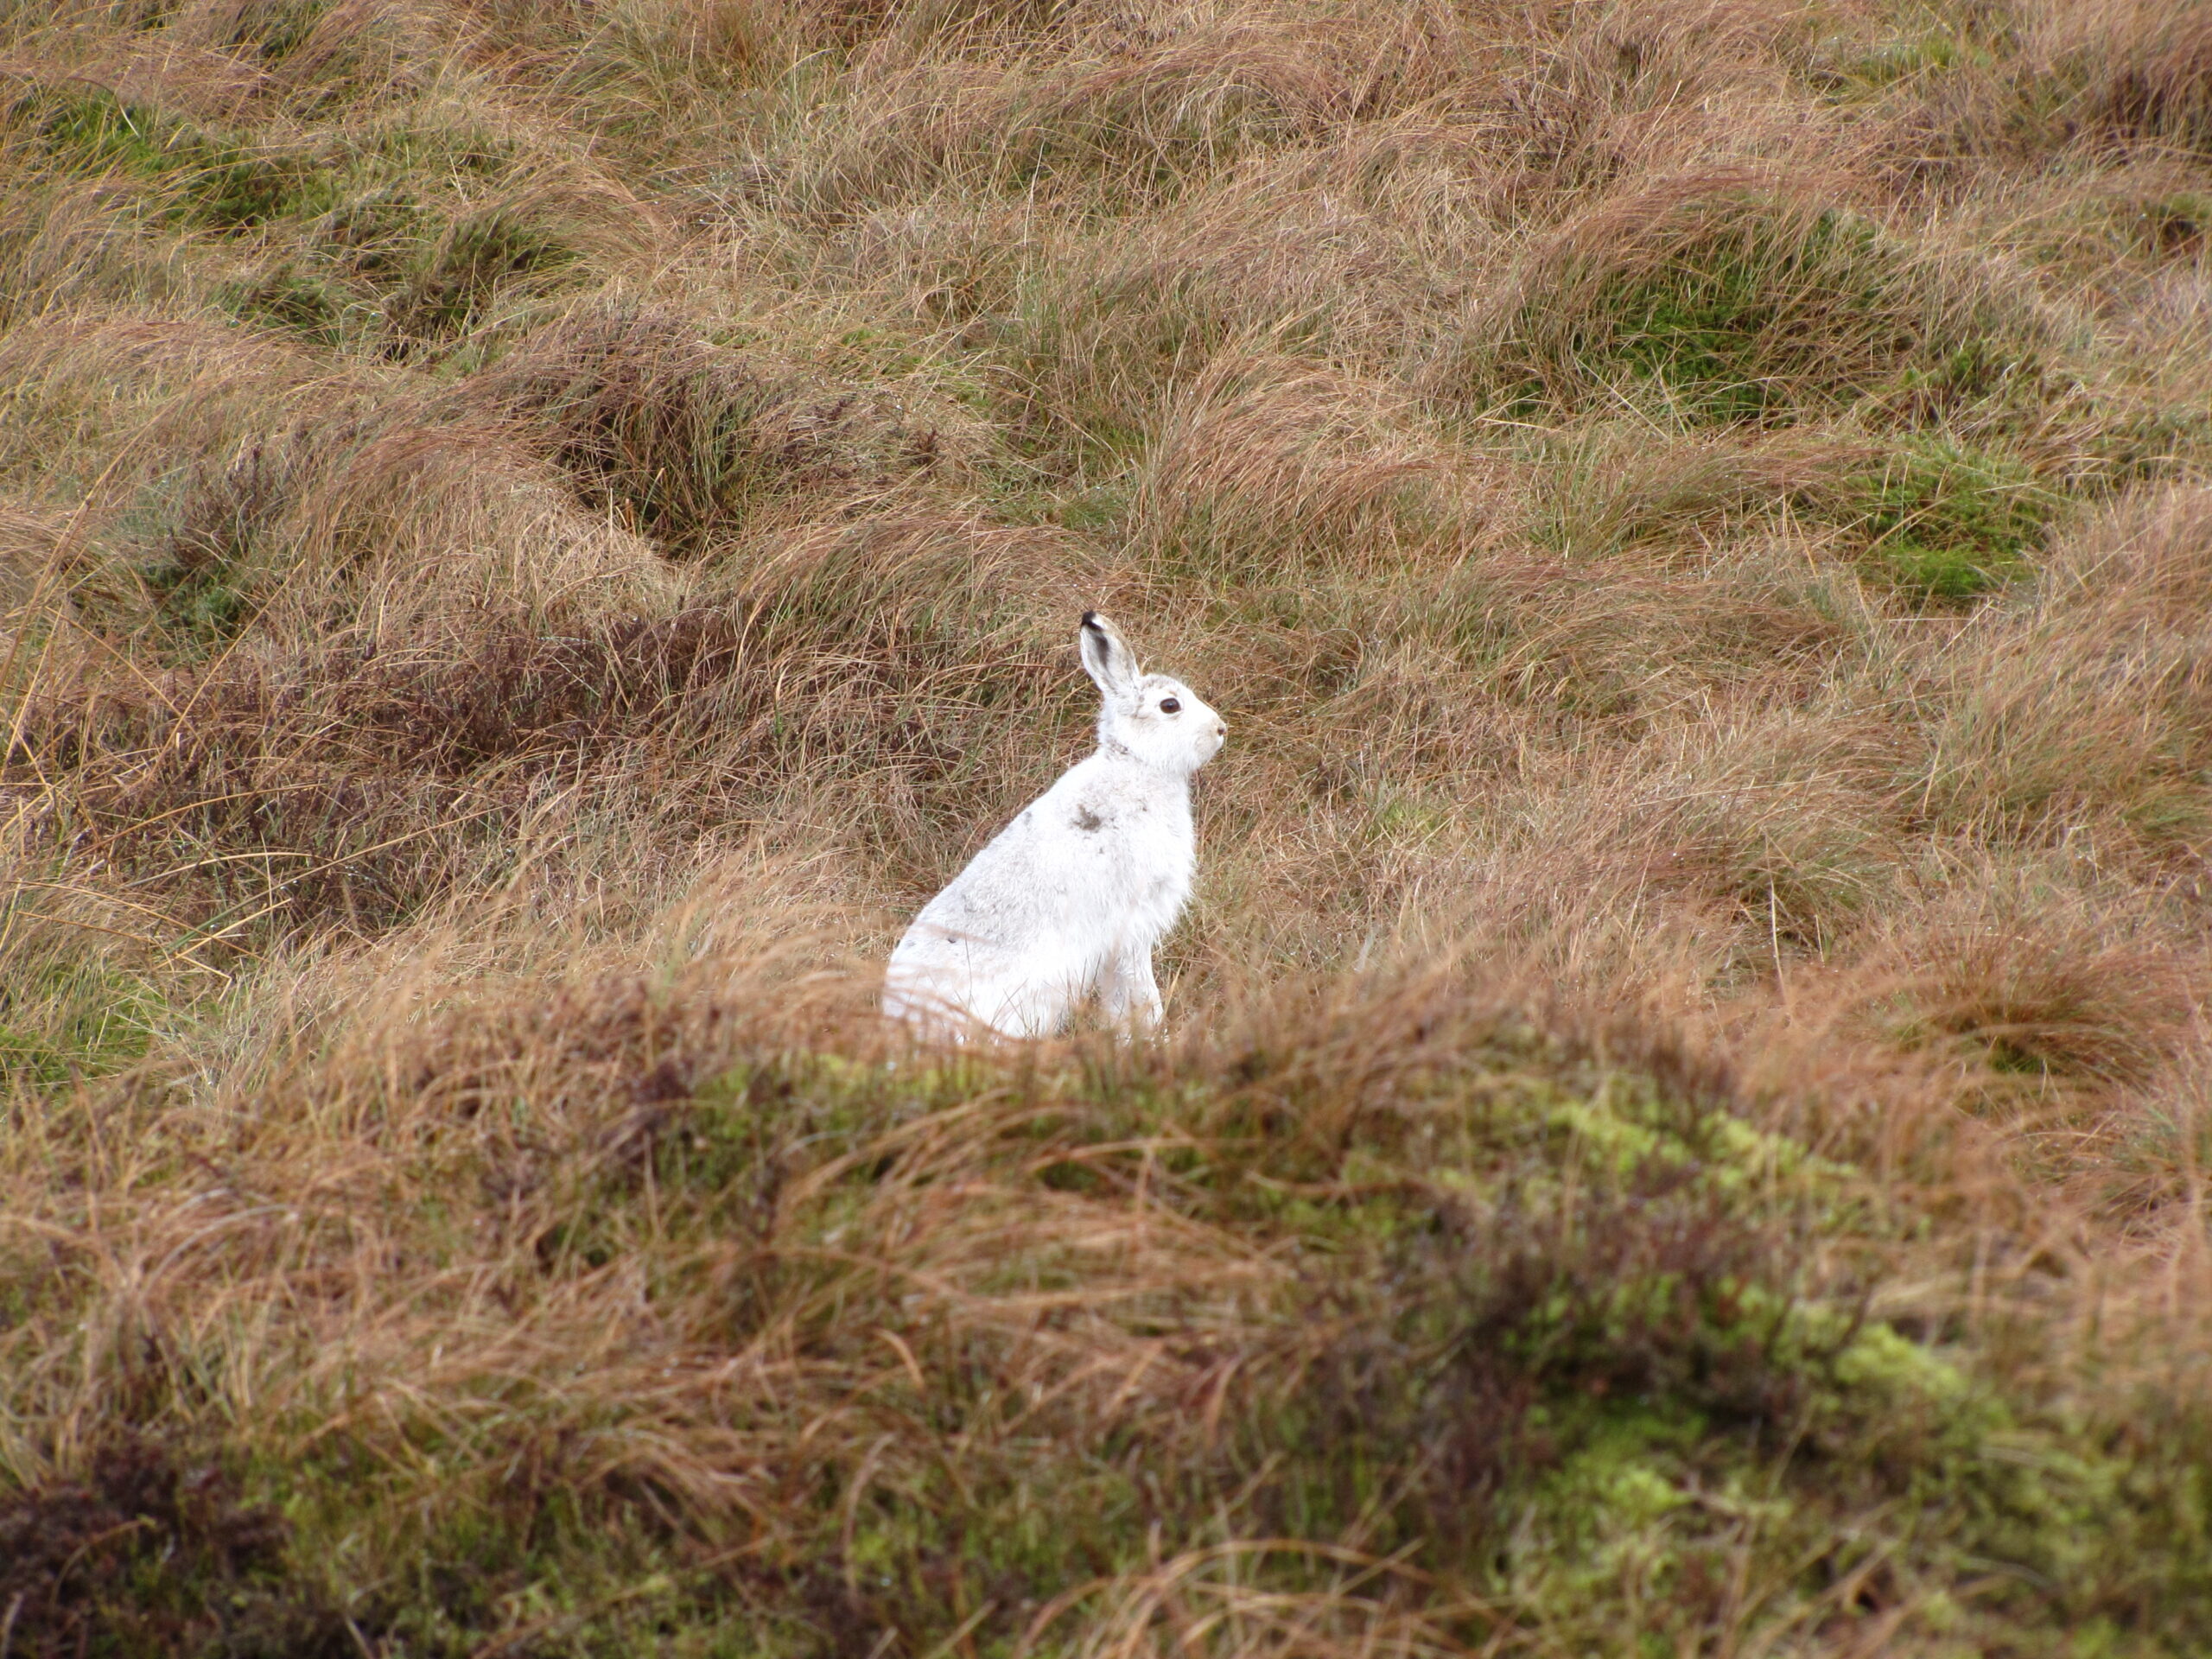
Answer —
(1221, 728)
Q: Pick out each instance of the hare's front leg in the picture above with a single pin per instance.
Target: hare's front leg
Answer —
(1127, 991)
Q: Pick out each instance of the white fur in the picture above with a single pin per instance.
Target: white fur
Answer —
(1068, 900)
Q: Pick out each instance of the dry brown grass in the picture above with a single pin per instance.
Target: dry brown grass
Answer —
(531, 535)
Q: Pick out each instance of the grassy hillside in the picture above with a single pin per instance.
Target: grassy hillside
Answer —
(533, 534)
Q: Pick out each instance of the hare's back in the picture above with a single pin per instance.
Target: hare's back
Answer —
(995, 945)
(1003, 894)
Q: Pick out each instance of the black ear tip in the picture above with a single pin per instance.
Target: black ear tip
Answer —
(1090, 621)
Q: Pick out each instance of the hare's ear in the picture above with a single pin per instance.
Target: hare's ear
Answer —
(1106, 657)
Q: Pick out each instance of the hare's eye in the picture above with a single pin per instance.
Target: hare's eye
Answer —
(1171, 705)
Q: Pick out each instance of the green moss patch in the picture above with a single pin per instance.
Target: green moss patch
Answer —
(148, 1554)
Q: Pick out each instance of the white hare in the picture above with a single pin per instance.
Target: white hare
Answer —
(1068, 900)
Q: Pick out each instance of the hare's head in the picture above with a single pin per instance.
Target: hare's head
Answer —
(1157, 721)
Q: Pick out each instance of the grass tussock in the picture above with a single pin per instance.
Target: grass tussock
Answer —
(530, 537)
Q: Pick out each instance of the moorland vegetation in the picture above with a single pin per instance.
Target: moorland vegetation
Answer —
(533, 534)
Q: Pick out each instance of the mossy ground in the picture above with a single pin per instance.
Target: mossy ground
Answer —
(1514, 1345)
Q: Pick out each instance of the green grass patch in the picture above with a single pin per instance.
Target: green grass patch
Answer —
(1742, 308)
(274, 30)
(1850, 70)
(455, 282)
(71, 1022)
(220, 515)
(209, 178)
(310, 307)
(1945, 522)
(1730, 335)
